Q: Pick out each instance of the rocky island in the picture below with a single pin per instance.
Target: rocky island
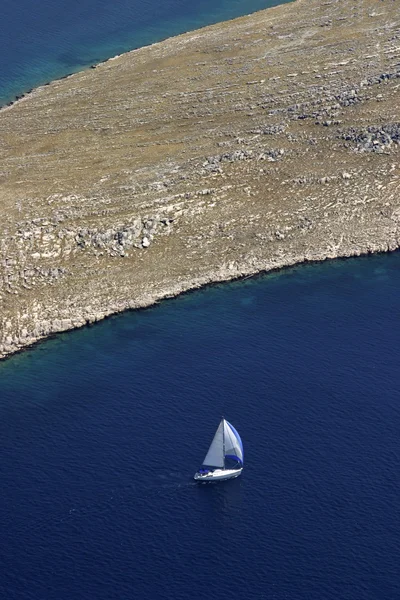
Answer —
(246, 146)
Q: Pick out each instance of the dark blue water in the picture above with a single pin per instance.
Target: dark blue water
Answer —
(40, 41)
(102, 429)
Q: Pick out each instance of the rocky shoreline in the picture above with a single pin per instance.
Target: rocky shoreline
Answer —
(240, 148)
(222, 276)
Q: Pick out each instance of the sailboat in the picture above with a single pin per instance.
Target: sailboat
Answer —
(224, 459)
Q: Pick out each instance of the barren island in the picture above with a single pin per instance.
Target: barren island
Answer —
(243, 147)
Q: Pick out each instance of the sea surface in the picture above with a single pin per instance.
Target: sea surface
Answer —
(102, 429)
(47, 39)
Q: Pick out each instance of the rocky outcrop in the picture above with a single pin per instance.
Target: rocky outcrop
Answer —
(246, 146)
(120, 240)
(374, 139)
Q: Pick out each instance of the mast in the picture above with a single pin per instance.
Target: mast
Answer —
(223, 439)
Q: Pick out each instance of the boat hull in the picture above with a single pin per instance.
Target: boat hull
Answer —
(218, 475)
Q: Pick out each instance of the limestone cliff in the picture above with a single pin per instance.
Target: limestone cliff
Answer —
(248, 145)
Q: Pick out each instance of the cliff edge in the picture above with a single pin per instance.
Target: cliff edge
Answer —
(245, 146)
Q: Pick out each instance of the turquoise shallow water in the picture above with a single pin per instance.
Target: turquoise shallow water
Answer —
(102, 429)
(45, 40)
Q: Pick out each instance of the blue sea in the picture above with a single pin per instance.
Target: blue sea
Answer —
(102, 429)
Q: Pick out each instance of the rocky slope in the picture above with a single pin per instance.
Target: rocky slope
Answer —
(246, 146)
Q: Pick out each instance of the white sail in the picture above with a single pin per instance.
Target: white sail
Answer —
(215, 454)
(233, 443)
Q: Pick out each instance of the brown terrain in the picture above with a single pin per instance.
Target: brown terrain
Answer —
(246, 146)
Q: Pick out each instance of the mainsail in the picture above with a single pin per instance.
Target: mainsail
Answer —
(226, 444)
(215, 454)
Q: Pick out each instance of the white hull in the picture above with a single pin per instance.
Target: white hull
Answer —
(218, 475)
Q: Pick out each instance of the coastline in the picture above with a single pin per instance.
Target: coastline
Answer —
(231, 169)
(174, 292)
(14, 99)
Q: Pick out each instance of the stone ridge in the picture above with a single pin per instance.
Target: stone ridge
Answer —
(246, 146)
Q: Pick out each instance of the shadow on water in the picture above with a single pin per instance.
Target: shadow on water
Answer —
(221, 499)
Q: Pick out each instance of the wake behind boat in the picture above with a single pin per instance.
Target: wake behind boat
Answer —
(224, 459)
